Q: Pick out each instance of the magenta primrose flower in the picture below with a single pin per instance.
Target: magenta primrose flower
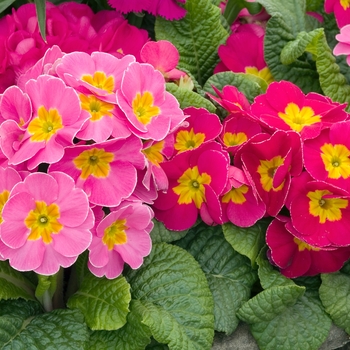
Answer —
(196, 180)
(121, 237)
(341, 10)
(46, 223)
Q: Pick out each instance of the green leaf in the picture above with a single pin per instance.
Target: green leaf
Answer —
(40, 6)
(189, 98)
(160, 233)
(20, 308)
(174, 297)
(103, 302)
(59, 329)
(335, 296)
(250, 85)
(5, 4)
(196, 36)
(134, 335)
(246, 241)
(13, 284)
(233, 7)
(229, 274)
(314, 5)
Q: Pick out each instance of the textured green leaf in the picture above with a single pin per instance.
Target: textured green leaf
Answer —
(57, 330)
(13, 284)
(189, 98)
(335, 296)
(40, 6)
(103, 302)
(20, 308)
(134, 335)
(196, 36)
(175, 299)
(250, 85)
(229, 274)
(160, 233)
(246, 241)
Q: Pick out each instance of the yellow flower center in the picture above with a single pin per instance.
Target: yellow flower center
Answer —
(45, 125)
(326, 208)
(100, 80)
(142, 106)
(191, 187)
(264, 73)
(94, 162)
(336, 160)
(115, 234)
(153, 153)
(345, 4)
(267, 170)
(303, 245)
(296, 118)
(186, 140)
(236, 195)
(42, 221)
(234, 139)
(4, 196)
(96, 107)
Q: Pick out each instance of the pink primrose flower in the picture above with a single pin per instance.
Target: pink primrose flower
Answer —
(196, 180)
(46, 223)
(285, 107)
(151, 111)
(297, 258)
(169, 9)
(121, 237)
(326, 157)
(106, 171)
(200, 127)
(341, 10)
(269, 162)
(240, 205)
(141, 192)
(343, 46)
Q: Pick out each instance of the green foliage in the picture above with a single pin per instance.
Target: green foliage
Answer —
(233, 7)
(41, 13)
(4, 4)
(160, 233)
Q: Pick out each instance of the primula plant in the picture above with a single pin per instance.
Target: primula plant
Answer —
(172, 168)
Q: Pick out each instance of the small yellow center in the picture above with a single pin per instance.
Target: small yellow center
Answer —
(186, 140)
(326, 208)
(115, 234)
(191, 187)
(153, 153)
(297, 118)
(42, 222)
(303, 245)
(94, 162)
(231, 139)
(345, 4)
(267, 170)
(264, 73)
(45, 125)
(4, 196)
(142, 106)
(336, 160)
(100, 80)
(236, 195)
(96, 107)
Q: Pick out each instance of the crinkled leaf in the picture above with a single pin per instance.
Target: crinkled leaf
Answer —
(134, 335)
(176, 302)
(59, 329)
(160, 233)
(297, 321)
(246, 241)
(250, 85)
(189, 98)
(13, 284)
(335, 296)
(20, 308)
(196, 36)
(103, 302)
(40, 6)
(229, 274)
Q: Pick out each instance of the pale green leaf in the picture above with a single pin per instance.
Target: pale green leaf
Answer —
(196, 36)
(335, 296)
(229, 274)
(246, 241)
(160, 233)
(189, 98)
(13, 284)
(134, 335)
(175, 299)
(40, 6)
(103, 302)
